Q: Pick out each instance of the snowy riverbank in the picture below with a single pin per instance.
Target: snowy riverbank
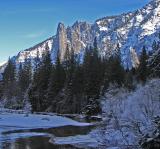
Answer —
(34, 121)
(14, 126)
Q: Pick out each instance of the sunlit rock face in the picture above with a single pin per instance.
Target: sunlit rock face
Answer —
(131, 30)
(61, 40)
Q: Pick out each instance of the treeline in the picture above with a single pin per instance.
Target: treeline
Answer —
(71, 86)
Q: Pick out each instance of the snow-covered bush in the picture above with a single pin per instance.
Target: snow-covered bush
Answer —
(129, 115)
(152, 140)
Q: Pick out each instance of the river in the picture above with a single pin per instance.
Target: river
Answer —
(40, 138)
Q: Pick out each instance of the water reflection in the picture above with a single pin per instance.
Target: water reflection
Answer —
(32, 139)
(34, 143)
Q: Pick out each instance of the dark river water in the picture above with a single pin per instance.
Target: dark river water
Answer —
(42, 142)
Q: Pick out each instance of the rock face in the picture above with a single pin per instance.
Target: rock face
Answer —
(75, 37)
(61, 39)
(130, 31)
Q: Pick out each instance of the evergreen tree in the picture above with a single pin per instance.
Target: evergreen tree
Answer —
(106, 76)
(154, 64)
(38, 91)
(92, 79)
(67, 58)
(92, 73)
(37, 60)
(143, 69)
(115, 72)
(69, 96)
(25, 75)
(78, 80)
(56, 83)
(9, 80)
(9, 73)
(71, 66)
(129, 80)
(1, 89)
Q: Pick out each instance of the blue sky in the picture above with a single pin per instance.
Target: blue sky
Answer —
(24, 23)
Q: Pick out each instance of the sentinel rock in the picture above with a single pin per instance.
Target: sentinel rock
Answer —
(76, 37)
(61, 40)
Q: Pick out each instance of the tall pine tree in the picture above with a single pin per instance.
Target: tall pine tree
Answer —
(142, 73)
(25, 75)
(56, 83)
(92, 79)
(9, 81)
(38, 91)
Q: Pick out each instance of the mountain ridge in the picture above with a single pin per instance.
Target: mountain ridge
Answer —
(131, 31)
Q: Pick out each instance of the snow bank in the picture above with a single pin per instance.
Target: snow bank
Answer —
(10, 123)
(34, 121)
